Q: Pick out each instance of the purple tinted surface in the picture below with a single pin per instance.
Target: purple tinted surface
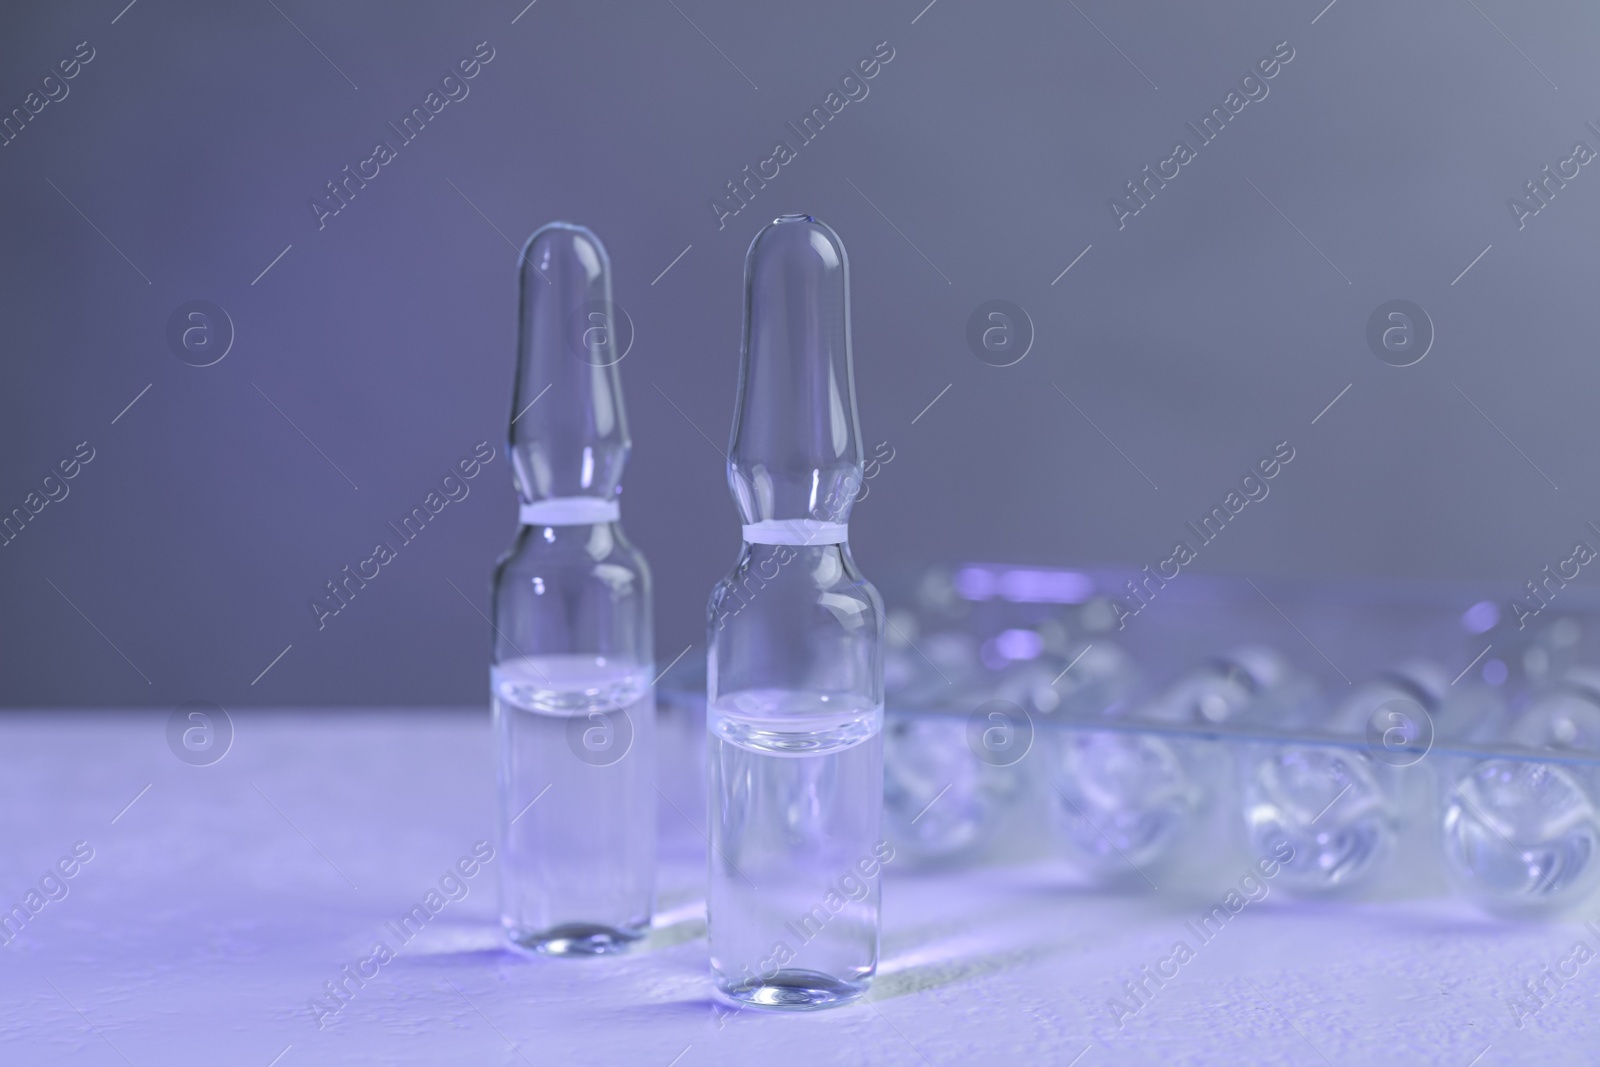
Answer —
(218, 903)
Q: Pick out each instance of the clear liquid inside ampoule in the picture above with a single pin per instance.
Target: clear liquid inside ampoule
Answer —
(575, 735)
(796, 859)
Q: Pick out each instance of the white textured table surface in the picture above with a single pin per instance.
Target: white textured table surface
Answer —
(216, 907)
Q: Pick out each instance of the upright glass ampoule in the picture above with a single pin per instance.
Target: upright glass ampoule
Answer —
(574, 708)
(794, 710)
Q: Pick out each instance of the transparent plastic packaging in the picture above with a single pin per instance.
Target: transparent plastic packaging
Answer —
(571, 681)
(794, 709)
(1124, 801)
(1333, 812)
(940, 804)
(1523, 836)
(1386, 744)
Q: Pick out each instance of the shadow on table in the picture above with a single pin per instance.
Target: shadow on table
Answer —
(935, 966)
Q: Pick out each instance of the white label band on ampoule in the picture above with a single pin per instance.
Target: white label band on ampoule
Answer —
(796, 532)
(569, 511)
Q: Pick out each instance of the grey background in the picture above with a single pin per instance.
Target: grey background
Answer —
(981, 164)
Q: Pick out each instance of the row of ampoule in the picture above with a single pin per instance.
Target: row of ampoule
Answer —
(1323, 785)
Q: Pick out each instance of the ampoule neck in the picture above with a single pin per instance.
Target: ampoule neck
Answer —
(794, 454)
(572, 541)
(568, 431)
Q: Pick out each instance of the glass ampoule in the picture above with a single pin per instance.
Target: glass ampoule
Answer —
(795, 667)
(1335, 809)
(1522, 835)
(573, 703)
(945, 792)
(1122, 801)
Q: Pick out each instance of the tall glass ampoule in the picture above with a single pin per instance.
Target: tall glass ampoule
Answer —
(574, 707)
(795, 666)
